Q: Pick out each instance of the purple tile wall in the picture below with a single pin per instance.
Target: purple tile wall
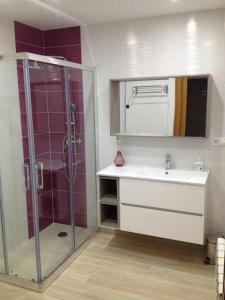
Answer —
(49, 113)
(28, 39)
(64, 42)
(57, 118)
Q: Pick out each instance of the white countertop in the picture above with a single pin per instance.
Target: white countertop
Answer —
(157, 174)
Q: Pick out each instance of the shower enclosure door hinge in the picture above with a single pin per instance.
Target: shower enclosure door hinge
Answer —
(39, 167)
(27, 176)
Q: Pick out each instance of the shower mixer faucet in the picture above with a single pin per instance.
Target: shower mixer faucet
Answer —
(168, 161)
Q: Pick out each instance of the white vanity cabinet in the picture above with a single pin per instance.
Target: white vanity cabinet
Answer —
(162, 209)
(171, 207)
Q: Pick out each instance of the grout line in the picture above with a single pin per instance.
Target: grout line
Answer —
(63, 46)
(29, 44)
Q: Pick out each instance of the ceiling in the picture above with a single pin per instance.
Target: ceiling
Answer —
(49, 14)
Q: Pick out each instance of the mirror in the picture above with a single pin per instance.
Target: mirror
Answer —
(174, 106)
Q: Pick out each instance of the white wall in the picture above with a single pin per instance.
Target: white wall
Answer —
(187, 44)
(11, 150)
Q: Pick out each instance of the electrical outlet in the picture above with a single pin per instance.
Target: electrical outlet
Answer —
(218, 141)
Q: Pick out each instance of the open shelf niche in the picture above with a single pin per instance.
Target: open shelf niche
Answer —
(109, 202)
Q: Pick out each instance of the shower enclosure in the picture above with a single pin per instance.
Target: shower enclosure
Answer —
(51, 210)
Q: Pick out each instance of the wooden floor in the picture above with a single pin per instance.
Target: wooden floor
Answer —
(115, 267)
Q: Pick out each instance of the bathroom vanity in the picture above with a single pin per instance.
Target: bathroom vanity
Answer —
(140, 199)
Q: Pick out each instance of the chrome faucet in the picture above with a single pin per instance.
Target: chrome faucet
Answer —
(168, 161)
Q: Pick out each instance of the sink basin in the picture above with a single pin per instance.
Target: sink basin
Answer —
(154, 173)
(165, 174)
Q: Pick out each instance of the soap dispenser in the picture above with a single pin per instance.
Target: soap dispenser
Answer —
(199, 164)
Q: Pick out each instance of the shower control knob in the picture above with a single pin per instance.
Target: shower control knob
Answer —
(78, 141)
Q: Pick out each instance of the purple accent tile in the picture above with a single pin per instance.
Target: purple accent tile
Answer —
(30, 229)
(58, 122)
(80, 184)
(79, 117)
(25, 147)
(39, 101)
(81, 219)
(60, 181)
(62, 36)
(22, 102)
(22, 47)
(61, 200)
(47, 86)
(62, 217)
(57, 160)
(45, 203)
(56, 101)
(40, 123)
(76, 80)
(71, 53)
(61, 207)
(80, 160)
(28, 34)
(80, 202)
(56, 86)
(24, 124)
(41, 142)
(57, 141)
(45, 220)
(29, 209)
(63, 181)
(38, 78)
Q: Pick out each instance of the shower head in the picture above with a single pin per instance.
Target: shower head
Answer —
(35, 66)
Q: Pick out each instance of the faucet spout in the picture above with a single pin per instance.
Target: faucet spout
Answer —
(168, 161)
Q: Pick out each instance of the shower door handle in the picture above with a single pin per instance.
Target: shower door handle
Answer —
(27, 176)
(39, 166)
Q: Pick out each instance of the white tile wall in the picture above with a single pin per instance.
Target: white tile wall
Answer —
(190, 43)
(11, 149)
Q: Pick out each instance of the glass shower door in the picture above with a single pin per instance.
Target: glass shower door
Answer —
(51, 159)
(47, 167)
(17, 204)
(81, 88)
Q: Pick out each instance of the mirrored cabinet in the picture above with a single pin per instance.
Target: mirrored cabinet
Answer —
(172, 106)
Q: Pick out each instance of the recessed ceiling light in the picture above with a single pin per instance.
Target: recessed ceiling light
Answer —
(174, 0)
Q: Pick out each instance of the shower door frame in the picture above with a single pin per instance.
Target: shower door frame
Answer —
(26, 57)
(3, 241)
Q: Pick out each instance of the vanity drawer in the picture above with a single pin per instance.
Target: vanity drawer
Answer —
(164, 195)
(164, 224)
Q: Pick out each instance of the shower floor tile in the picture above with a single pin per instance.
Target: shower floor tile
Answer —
(54, 250)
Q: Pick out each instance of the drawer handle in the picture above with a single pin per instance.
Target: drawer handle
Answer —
(163, 209)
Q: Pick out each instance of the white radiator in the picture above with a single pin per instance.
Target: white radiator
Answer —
(220, 254)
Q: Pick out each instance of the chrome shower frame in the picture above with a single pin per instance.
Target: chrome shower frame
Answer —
(41, 283)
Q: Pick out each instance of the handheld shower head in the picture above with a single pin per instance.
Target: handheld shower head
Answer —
(72, 107)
